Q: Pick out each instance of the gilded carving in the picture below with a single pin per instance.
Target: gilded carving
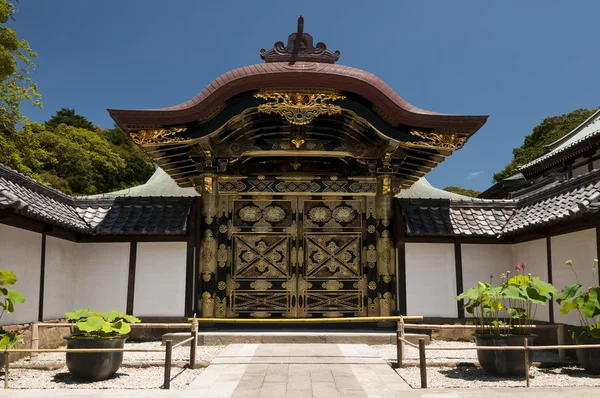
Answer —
(261, 285)
(260, 314)
(299, 107)
(386, 303)
(332, 285)
(220, 307)
(372, 285)
(332, 315)
(222, 285)
(222, 255)
(207, 307)
(159, 136)
(361, 285)
(373, 307)
(438, 140)
(231, 285)
(371, 256)
(208, 251)
(319, 214)
(261, 256)
(332, 256)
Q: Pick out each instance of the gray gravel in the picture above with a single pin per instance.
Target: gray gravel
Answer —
(126, 378)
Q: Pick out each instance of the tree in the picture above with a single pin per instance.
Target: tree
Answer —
(462, 191)
(15, 64)
(70, 118)
(551, 129)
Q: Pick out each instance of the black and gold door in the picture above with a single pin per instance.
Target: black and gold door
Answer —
(295, 256)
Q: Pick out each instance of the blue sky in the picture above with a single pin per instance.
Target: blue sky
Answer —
(517, 61)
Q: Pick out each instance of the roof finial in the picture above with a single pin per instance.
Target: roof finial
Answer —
(299, 48)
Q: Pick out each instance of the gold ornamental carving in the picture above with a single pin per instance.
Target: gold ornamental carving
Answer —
(438, 140)
(158, 136)
(261, 285)
(207, 305)
(332, 285)
(299, 107)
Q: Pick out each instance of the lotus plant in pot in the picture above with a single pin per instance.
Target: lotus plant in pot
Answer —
(91, 329)
(587, 304)
(8, 299)
(502, 315)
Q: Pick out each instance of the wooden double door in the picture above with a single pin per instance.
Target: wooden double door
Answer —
(298, 256)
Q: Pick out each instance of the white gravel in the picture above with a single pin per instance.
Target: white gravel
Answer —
(127, 377)
(472, 377)
(411, 354)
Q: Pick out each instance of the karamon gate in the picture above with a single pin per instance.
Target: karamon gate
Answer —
(296, 161)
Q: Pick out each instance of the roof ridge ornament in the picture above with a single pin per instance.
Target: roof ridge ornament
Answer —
(299, 48)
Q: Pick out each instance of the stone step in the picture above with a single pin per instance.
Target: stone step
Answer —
(226, 338)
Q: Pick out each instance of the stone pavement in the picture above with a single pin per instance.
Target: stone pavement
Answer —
(298, 370)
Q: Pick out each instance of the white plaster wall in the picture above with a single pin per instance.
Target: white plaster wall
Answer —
(479, 261)
(431, 280)
(59, 279)
(579, 247)
(101, 276)
(20, 252)
(533, 254)
(160, 279)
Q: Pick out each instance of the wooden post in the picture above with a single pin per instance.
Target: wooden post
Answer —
(194, 343)
(422, 363)
(35, 339)
(562, 353)
(168, 356)
(398, 347)
(402, 345)
(6, 367)
(526, 352)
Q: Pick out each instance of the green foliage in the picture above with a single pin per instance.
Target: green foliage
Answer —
(100, 325)
(551, 129)
(586, 303)
(70, 118)
(15, 65)
(76, 160)
(8, 299)
(462, 191)
(516, 299)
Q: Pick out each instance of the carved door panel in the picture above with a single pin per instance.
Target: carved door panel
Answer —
(332, 242)
(296, 257)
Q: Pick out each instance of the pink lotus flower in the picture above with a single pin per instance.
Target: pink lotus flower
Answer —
(518, 267)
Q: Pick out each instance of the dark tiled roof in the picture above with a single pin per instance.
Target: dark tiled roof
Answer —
(566, 201)
(94, 216)
(455, 218)
(477, 217)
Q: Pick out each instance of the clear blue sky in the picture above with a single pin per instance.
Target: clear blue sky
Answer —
(517, 61)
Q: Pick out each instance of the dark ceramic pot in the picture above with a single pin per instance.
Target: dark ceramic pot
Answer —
(503, 363)
(589, 359)
(94, 366)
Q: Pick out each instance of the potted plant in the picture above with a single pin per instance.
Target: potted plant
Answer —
(91, 329)
(8, 299)
(501, 315)
(587, 304)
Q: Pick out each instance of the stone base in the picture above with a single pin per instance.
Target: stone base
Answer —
(226, 338)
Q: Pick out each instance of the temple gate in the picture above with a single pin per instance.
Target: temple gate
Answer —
(296, 162)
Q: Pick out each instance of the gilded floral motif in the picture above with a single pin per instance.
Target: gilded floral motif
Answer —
(261, 285)
(344, 214)
(332, 285)
(319, 214)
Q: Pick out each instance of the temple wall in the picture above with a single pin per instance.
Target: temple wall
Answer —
(20, 252)
(160, 279)
(431, 280)
(533, 254)
(59, 278)
(579, 247)
(479, 261)
(101, 276)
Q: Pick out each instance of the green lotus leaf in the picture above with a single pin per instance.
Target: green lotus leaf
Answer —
(7, 277)
(121, 327)
(91, 324)
(9, 306)
(543, 287)
(131, 318)
(75, 315)
(110, 316)
(568, 307)
(16, 297)
(570, 293)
